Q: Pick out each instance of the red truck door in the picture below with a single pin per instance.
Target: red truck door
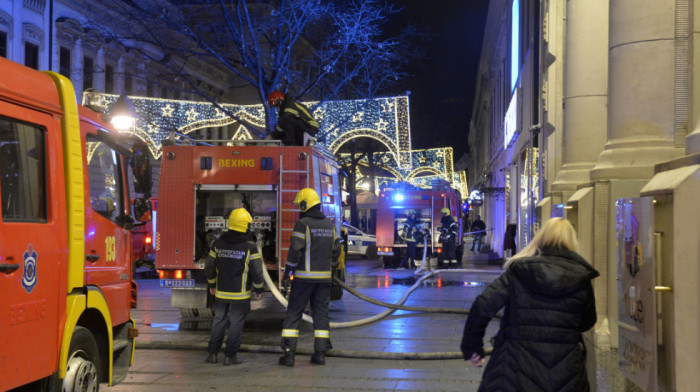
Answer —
(32, 237)
(107, 243)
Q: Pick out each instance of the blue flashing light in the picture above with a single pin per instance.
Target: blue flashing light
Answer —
(560, 206)
(398, 197)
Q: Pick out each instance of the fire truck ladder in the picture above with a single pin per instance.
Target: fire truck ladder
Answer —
(282, 191)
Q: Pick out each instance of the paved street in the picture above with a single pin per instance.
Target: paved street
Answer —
(170, 351)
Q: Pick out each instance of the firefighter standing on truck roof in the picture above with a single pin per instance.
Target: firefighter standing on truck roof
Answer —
(449, 238)
(313, 252)
(233, 267)
(294, 120)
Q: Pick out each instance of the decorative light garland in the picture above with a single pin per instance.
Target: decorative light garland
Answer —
(383, 119)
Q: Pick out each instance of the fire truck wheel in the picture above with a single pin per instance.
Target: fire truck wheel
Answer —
(371, 253)
(83, 366)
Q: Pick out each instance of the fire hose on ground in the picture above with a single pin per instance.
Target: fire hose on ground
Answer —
(423, 272)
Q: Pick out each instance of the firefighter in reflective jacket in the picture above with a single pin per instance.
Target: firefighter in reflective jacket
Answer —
(294, 120)
(233, 267)
(449, 238)
(313, 252)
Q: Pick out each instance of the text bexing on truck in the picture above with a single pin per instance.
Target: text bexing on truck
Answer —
(393, 208)
(65, 245)
(200, 185)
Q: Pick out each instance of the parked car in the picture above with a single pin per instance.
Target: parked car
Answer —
(361, 243)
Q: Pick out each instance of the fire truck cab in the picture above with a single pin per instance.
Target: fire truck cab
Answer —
(201, 185)
(65, 244)
(395, 204)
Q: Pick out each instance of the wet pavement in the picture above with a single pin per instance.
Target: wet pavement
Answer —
(405, 351)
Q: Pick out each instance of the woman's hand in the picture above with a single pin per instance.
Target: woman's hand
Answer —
(477, 360)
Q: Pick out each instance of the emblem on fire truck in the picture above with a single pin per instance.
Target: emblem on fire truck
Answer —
(29, 275)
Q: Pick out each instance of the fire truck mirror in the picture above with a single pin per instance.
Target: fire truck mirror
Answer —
(141, 167)
(142, 209)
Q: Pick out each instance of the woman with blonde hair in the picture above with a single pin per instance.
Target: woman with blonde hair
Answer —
(548, 298)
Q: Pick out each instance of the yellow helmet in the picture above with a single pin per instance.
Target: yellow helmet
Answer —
(306, 198)
(445, 211)
(239, 220)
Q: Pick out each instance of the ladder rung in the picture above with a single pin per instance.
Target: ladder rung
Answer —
(291, 190)
(293, 171)
(290, 210)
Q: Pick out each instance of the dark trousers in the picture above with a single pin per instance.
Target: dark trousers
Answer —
(319, 293)
(231, 316)
(477, 241)
(410, 252)
(449, 253)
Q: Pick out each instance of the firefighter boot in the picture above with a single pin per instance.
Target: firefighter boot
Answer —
(287, 359)
(228, 361)
(319, 358)
(211, 358)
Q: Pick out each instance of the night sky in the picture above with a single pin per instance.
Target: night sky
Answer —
(442, 85)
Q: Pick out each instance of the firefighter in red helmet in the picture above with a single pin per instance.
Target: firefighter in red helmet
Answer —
(293, 121)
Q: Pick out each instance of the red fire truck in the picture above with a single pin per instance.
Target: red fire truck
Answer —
(65, 245)
(201, 185)
(393, 208)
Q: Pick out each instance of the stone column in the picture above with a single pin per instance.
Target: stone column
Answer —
(648, 83)
(648, 108)
(585, 92)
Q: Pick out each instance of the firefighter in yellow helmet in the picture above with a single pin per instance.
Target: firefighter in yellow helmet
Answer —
(313, 252)
(234, 273)
(448, 233)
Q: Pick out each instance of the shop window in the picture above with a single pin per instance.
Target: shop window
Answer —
(22, 172)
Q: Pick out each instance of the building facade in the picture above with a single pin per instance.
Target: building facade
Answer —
(68, 37)
(570, 118)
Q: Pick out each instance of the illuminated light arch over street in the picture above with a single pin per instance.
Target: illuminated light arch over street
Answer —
(384, 119)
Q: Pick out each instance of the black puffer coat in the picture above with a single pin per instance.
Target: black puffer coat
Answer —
(548, 300)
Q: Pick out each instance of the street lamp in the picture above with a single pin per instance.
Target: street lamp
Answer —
(122, 114)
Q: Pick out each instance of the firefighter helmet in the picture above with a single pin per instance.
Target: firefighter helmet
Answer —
(445, 211)
(275, 98)
(239, 220)
(306, 198)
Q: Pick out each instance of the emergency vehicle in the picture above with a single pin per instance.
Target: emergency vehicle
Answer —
(393, 208)
(200, 185)
(65, 244)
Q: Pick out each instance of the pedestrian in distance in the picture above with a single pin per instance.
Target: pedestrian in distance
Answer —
(479, 229)
(547, 294)
(313, 253)
(410, 233)
(234, 274)
(448, 233)
(294, 121)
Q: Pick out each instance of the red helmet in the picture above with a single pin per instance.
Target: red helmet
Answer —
(274, 98)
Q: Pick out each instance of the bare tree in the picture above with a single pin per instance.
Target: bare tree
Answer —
(316, 50)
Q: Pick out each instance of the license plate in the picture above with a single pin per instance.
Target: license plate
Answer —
(385, 253)
(177, 283)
